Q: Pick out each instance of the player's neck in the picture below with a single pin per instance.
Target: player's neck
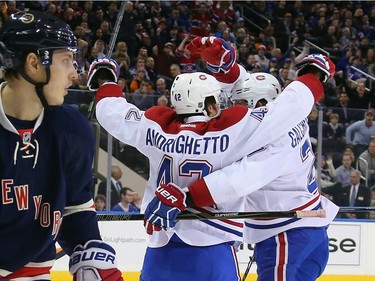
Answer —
(20, 101)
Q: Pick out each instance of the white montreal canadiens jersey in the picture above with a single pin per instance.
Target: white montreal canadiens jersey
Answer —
(279, 177)
(185, 152)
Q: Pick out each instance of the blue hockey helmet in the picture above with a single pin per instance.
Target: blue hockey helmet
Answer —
(33, 31)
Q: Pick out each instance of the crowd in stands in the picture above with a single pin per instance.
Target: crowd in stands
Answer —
(269, 36)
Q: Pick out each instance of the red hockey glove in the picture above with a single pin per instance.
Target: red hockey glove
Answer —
(96, 261)
(103, 68)
(162, 211)
(219, 55)
(319, 61)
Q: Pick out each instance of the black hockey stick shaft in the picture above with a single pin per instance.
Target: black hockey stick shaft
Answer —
(218, 216)
(111, 46)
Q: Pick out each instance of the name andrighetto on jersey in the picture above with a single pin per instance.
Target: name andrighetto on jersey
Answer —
(298, 132)
(187, 144)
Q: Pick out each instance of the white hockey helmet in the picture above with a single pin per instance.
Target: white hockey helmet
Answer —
(189, 91)
(256, 87)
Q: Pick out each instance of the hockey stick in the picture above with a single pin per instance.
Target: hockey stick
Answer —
(252, 259)
(218, 216)
(111, 46)
(356, 209)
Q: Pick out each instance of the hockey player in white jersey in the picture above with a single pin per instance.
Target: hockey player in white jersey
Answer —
(188, 143)
(278, 177)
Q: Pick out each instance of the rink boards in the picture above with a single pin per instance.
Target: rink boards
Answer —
(352, 251)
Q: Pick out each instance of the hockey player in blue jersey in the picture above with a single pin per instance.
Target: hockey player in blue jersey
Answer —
(278, 177)
(46, 154)
(188, 142)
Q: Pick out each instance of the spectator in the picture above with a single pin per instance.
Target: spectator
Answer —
(143, 98)
(162, 101)
(349, 150)
(243, 53)
(122, 60)
(185, 59)
(330, 39)
(106, 30)
(125, 204)
(346, 115)
(111, 13)
(328, 172)
(150, 68)
(359, 98)
(343, 172)
(116, 186)
(353, 194)
(161, 90)
(261, 58)
(139, 64)
(360, 132)
(366, 163)
(164, 57)
(283, 30)
(319, 30)
(92, 54)
(8, 8)
(333, 133)
(201, 20)
(136, 82)
(127, 29)
(121, 47)
(101, 47)
(137, 200)
(174, 70)
(99, 201)
(277, 53)
(356, 195)
(125, 89)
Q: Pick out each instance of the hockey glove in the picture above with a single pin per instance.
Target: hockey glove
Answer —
(103, 68)
(219, 54)
(312, 62)
(95, 261)
(162, 211)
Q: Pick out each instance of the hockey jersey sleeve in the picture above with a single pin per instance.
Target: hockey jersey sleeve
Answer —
(293, 105)
(120, 118)
(237, 180)
(79, 212)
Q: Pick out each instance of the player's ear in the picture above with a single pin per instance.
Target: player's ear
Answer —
(32, 64)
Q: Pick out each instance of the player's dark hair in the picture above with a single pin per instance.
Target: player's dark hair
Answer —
(207, 102)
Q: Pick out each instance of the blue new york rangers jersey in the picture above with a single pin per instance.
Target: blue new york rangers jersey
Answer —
(46, 182)
(182, 152)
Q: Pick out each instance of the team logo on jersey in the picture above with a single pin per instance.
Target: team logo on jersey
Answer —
(27, 18)
(26, 138)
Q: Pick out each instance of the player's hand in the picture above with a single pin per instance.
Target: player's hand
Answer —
(317, 61)
(218, 54)
(95, 261)
(162, 211)
(103, 69)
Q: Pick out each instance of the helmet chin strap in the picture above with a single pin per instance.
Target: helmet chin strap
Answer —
(38, 86)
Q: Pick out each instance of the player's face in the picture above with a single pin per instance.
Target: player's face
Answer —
(63, 73)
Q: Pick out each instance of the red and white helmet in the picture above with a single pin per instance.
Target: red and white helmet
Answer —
(256, 87)
(189, 91)
(320, 61)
